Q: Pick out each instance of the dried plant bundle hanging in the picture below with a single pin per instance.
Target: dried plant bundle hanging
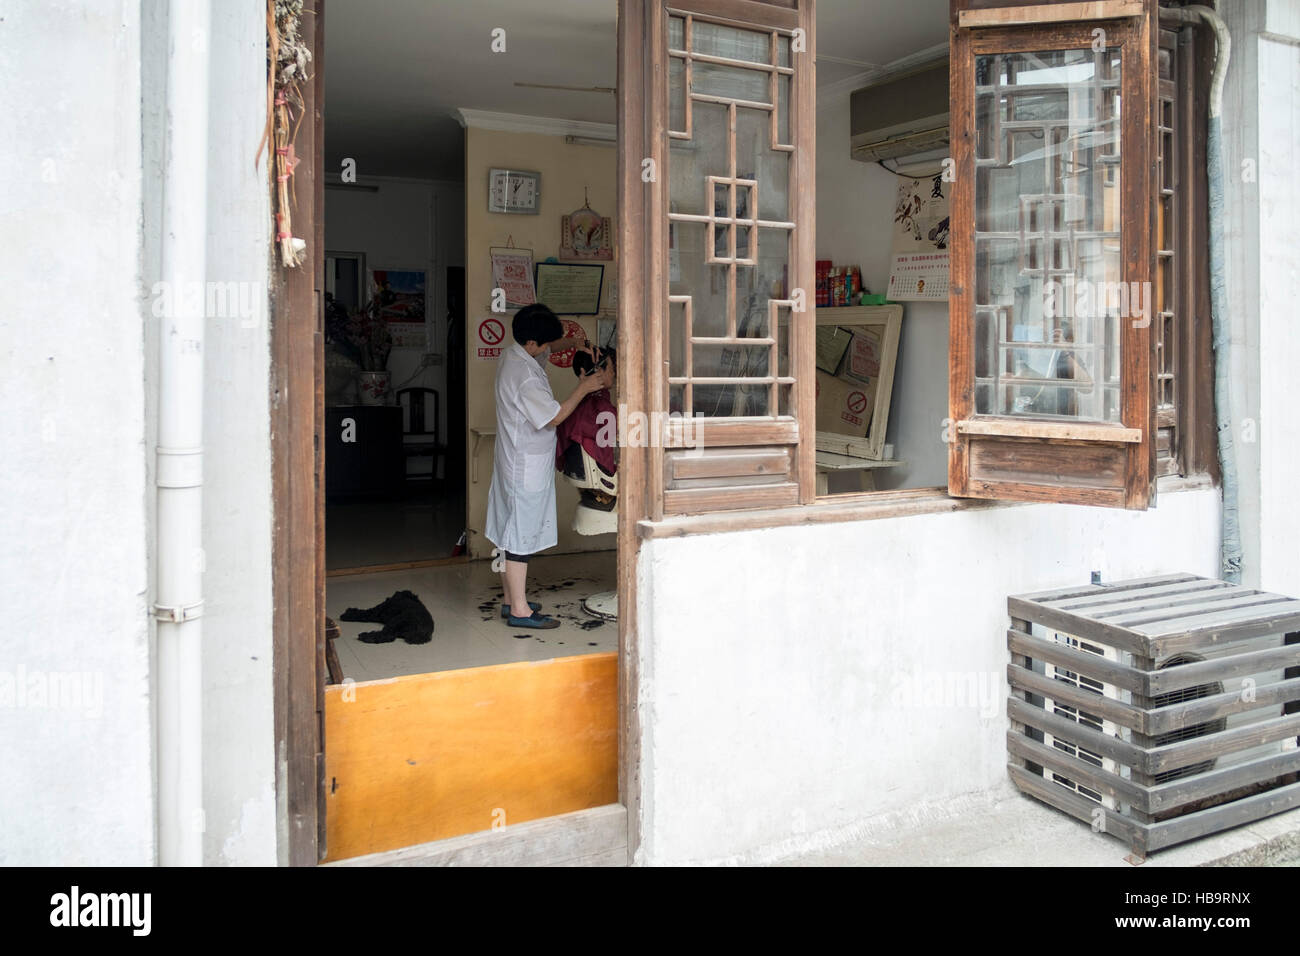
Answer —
(288, 58)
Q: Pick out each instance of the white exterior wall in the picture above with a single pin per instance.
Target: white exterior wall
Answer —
(1278, 85)
(1261, 135)
(238, 719)
(80, 237)
(77, 786)
(795, 682)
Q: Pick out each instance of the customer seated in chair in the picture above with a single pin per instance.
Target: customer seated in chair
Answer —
(593, 428)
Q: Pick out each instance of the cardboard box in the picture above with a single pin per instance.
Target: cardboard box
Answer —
(844, 407)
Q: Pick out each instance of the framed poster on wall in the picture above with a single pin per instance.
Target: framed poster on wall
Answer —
(400, 296)
(568, 289)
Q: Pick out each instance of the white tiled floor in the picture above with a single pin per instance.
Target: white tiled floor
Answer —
(465, 601)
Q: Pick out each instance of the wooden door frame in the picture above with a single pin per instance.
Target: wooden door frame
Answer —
(298, 485)
(635, 70)
(298, 479)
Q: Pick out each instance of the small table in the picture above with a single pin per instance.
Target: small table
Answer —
(829, 461)
(370, 461)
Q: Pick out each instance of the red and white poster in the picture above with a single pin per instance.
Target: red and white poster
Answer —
(512, 272)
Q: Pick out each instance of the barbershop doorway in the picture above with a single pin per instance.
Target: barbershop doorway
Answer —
(437, 717)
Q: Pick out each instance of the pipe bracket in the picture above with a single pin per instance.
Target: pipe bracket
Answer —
(178, 614)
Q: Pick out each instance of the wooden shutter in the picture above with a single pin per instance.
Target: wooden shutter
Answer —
(1051, 297)
(726, 253)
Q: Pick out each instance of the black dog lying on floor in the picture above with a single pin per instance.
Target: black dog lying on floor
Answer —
(402, 616)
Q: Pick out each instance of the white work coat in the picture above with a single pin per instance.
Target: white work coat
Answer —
(521, 500)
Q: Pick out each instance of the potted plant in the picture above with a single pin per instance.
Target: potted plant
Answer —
(368, 334)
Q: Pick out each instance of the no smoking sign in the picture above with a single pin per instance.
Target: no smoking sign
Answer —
(491, 333)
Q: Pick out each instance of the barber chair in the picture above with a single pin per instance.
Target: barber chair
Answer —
(597, 513)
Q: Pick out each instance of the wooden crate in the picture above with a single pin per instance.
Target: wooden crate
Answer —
(1158, 710)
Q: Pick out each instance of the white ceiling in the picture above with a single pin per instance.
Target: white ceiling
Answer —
(396, 70)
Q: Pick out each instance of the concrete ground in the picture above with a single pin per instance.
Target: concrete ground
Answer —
(1009, 829)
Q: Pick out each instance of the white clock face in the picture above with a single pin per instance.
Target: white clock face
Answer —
(510, 191)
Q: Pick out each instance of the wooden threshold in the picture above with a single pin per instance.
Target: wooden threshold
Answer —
(429, 757)
(595, 837)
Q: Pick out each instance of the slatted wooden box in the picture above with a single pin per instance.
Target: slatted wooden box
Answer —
(1158, 710)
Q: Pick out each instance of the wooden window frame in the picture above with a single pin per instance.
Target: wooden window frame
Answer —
(742, 472)
(1186, 440)
(1080, 463)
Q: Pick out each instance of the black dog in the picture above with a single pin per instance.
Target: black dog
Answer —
(402, 616)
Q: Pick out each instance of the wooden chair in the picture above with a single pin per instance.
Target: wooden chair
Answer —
(420, 428)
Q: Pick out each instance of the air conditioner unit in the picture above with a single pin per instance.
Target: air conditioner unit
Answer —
(1158, 710)
(904, 115)
(1082, 715)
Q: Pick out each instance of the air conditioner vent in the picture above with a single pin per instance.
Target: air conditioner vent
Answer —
(901, 116)
(1195, 692)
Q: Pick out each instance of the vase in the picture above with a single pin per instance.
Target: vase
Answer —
(373, 387)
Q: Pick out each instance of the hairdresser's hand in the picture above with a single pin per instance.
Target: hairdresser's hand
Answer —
(586, 385)
(592, 381)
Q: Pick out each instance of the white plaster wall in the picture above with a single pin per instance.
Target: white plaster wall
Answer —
(855, 221)
(1240, 126)
(415, 224)
(81, 234)
(77, 785)
(799, 699)
(1278, 77)
(238, 718)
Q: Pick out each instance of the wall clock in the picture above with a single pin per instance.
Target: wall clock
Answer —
(514, 191)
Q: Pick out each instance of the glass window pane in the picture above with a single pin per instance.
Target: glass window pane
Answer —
(756, 160)
(677, 95)
(1049, 295)
(783, 110)
(733, 82)
(713, 39)
(729, 172)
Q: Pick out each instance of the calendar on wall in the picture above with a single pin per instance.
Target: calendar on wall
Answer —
(919, 268)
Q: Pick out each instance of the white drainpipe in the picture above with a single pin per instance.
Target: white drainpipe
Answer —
(178, 603)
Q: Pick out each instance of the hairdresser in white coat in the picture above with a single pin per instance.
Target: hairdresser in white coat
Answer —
(521, 500)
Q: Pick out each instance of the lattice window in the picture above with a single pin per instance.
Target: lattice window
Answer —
(1168, 308)
(1050, 301)
(729, 318)
(1048, 271)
